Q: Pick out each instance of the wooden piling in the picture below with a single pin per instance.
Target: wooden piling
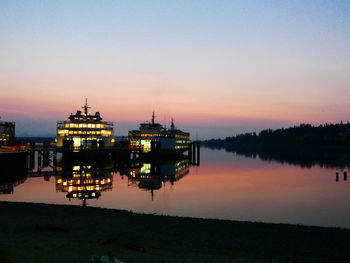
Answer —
(39, 160)
(198, 153)
(190, 147)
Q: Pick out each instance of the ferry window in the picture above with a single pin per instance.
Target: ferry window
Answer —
(146, 145)
(76, 141)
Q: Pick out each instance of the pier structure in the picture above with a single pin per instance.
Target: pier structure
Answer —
(46, 154)
(345, 176)
(42, 158)
(194, 152)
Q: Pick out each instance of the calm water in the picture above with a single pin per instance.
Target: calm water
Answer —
(225, 186)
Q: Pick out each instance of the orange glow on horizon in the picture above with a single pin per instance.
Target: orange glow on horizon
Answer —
(187, 113)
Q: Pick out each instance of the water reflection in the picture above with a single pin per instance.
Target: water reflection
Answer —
(151, 176)
(84, 182)
(345, 176)
(302, 156)
(8, 187)
(225, 186)
(12, 172)
(86, 179)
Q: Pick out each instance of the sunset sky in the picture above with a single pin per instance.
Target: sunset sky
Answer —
(217, 67)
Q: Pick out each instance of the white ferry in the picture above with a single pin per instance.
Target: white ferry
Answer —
(84, 130)
(152, 137)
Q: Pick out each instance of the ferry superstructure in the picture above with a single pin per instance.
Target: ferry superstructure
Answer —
(85, 130)
(152, 137)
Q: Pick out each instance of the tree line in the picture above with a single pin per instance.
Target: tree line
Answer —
(302, 135)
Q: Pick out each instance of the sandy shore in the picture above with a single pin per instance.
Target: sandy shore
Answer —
(61, 233)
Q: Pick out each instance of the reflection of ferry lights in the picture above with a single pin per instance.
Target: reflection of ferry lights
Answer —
(83, 189)
(85, 184)
(157, 174)
(85, 130)
(182, 171)
(181, 162)
(151, 177)
(153, 137)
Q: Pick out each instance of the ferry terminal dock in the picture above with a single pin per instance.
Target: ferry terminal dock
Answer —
(60, 233)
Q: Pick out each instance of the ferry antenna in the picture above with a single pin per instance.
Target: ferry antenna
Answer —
(153, 117)
(86, 107)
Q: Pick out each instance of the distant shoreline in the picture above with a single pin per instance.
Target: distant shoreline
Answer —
(304, 135)
(61, 233)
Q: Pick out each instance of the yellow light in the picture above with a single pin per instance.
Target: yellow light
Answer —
(62, 132)
(146, 168)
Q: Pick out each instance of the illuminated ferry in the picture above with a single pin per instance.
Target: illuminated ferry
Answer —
(85, 130)
(152, 137)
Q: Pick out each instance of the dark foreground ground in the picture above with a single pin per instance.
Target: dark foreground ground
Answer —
(58, 233)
